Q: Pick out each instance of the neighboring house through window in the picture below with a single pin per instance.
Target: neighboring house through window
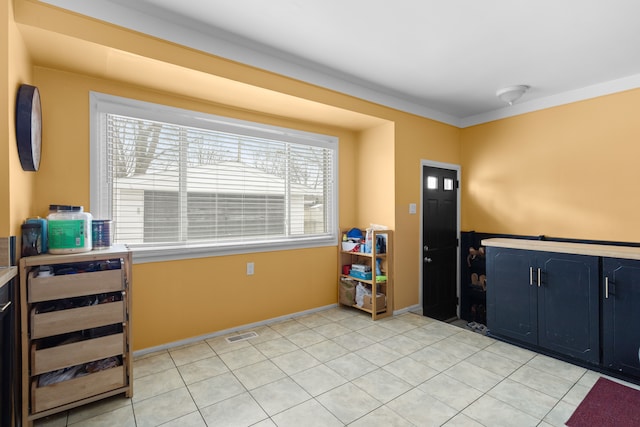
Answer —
(181, 183)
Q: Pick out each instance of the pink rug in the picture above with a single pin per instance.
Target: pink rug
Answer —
(608, 403)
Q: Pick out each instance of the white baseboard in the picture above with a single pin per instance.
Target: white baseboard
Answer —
(228, 331)
(412, 308)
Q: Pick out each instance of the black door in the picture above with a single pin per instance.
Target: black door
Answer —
(440, 240)
(620, 302)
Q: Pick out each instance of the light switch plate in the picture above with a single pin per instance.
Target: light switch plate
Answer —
(412, 208)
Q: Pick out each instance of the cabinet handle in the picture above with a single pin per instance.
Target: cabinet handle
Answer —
(606, 287)
(539, 281)
(530, 276)
(4, 307)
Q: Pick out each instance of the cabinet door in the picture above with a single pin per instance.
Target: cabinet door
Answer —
(568, 305)
(620, 315)
(7, 361)
(511, 295)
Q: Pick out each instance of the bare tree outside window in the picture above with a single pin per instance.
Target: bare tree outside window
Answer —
(169, 182)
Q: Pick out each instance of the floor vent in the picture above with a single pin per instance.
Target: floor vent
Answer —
(241, 337)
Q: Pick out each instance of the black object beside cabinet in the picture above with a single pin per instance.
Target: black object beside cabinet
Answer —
(560, 298)
(473, 295)
(8, 356)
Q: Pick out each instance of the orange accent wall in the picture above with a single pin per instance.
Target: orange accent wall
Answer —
(67, 55)
(5, 128)
(569, 171)
(415, 140)
(374, 178)
(176, 300)
(16, 186)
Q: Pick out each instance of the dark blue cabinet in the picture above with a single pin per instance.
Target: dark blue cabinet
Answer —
(545, 299)
(568, 305)
(512, 301)
(621, 315)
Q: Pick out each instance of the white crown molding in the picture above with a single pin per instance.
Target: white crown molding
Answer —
(594, 91)
(244, 51)
(215, 42)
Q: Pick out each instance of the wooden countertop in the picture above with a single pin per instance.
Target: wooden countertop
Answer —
(6, 274)
(626, 252)
(115, 251)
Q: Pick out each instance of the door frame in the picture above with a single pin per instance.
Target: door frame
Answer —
(457, 169)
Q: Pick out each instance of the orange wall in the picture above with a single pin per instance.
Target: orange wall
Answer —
(374, 181)
(5, 128)
(347, 201)
(569, 171)
(64, 173)
(178, 300)
(15, 185)
(389, 179)
(182, 299)
(416, 139)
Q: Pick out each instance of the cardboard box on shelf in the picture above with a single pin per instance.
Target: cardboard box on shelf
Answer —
(381, 302)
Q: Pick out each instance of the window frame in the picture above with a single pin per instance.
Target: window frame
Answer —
(100, 203)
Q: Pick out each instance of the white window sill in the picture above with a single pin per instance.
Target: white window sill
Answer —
(143, 255)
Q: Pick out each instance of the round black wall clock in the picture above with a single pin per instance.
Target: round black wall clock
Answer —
(29, 127)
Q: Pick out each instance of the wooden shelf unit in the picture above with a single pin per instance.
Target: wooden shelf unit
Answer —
(384, 287)
(99, 331)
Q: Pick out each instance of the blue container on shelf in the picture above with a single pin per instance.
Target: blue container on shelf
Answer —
(43, 229)
(361, 275)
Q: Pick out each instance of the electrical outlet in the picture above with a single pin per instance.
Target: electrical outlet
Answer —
(250, 269)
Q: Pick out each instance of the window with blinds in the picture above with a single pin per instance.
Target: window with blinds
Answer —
(172, 180)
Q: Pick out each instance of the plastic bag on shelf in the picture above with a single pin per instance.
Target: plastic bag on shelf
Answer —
(369, 238)
(361, 291)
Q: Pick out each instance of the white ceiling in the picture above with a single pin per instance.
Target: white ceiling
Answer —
(443, 59)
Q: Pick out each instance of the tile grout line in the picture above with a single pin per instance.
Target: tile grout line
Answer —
(379, 339)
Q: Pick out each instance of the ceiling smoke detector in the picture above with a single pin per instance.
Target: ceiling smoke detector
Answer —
(512, 93)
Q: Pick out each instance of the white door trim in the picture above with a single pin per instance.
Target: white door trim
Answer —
(457, 168)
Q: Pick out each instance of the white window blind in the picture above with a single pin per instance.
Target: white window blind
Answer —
(172, 179)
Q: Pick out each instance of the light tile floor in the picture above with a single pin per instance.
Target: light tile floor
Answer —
(337, 367)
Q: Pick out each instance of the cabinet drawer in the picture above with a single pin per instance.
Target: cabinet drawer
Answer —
(74, 285)
(63, 356)
(76, 319)
(51, 396)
